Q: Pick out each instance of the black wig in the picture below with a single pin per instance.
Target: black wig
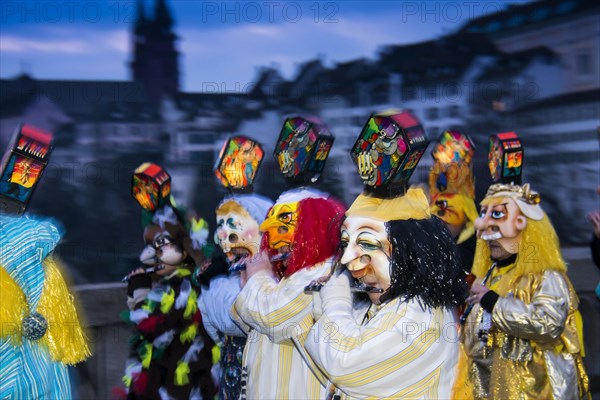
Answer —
(425, 264)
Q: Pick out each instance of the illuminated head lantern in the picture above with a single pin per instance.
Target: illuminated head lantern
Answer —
(302, 149)
(21, 167)
(302, 228)
(240, 213)
(451, 184)
(512, 222)
(238, 163)
(393, 246)
(507, 208)
(389, 148)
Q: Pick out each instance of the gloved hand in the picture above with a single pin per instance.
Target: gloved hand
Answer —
(258, 263)
(336, 294)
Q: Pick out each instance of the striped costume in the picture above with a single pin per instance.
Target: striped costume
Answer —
(31, 282)
(396, 350)
(279, 315)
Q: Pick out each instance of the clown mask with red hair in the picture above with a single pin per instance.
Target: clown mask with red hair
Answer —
(306, 225)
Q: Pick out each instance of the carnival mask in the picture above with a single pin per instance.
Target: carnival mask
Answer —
(500, 224)
(167, 251)
(148, 254)
(450, 208)
(367, 252)
(237, 232)
(281, 224)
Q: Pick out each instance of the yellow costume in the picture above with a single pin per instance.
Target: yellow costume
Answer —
(529, 346)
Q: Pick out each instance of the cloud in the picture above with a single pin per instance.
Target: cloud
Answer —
(59, 52)
(224, 54)
(227, 54)
(118, 40)
(15, 44)
(60, 41)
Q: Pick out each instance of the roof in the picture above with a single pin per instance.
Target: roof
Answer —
(230, 108)
(511, 64)
(569, 99)
(90, 100)
(443, 59)
(528, 16)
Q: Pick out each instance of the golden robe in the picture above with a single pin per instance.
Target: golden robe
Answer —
(533, 349)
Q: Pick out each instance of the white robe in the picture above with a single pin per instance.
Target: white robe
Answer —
(400, 351)
(279, 315)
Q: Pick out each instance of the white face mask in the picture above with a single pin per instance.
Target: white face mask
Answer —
(237, 234)
(367, 252)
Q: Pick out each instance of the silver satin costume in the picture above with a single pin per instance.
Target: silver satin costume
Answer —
(532, 349)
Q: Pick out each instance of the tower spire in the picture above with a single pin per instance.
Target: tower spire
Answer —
(162, 17)
(141, 21)
(155, 55)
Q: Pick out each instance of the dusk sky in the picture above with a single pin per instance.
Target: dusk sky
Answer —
(221, 43)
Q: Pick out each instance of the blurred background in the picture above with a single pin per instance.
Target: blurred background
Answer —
(124, 82)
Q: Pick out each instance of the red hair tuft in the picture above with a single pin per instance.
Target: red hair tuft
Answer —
(317, 235)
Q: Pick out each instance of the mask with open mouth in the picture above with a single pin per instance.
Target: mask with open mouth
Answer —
(237, 232)
(281, 225)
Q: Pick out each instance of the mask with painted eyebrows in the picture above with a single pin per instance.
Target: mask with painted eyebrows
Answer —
(367, 252)
(281, 223)
(500, 224)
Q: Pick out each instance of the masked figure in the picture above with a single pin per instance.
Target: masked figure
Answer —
(170, 350)
(238, 235)
(452, 192)
(396, 337)
(300, 237)
(523, 336)
(406, 260)
(41, 332)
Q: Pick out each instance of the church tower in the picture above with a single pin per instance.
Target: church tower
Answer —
(155, 57)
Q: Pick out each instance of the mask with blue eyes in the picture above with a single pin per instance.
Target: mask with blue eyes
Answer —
(237, 232)
(501, 223)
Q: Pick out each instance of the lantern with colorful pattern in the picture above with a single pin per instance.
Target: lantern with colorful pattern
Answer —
(22, 167)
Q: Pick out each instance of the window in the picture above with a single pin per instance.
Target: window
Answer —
(429, 92)
(583, 64)
(409, 93)
(493, 26)
(453, 111)
(433, 131)
(565, 7)
(540, 14)
(200, 139)
(431, 113)
(451, 90)
(515, 20)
